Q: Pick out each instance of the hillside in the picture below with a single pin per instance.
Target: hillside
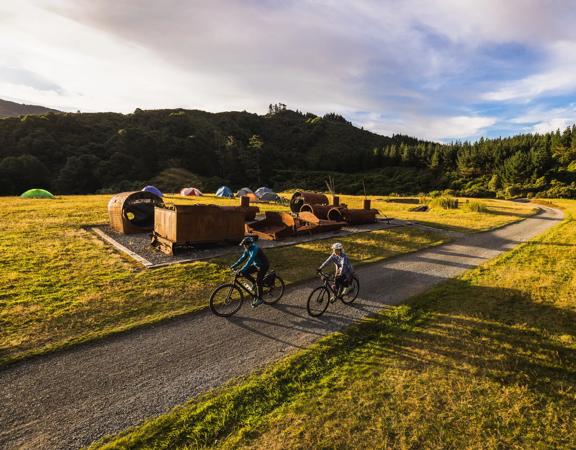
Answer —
(84, 153)
(12, 109)
(284, 149)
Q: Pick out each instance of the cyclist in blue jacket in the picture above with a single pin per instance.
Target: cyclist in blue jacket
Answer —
(254, 260)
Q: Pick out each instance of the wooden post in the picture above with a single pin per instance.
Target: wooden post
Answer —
(367, 203)
(335, 200)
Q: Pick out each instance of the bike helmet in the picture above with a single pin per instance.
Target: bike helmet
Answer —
(337, 246)
(247, 241)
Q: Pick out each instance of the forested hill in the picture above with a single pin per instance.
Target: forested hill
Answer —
(83, 153)
(11, 109)
(107, 152)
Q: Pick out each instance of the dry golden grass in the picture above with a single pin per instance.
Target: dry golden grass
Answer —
(61, 285)
(485, 361)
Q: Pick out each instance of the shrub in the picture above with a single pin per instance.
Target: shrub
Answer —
(444, 202)
(477, 207)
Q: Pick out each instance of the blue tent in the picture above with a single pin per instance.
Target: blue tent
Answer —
(224, 191)
(153, 190)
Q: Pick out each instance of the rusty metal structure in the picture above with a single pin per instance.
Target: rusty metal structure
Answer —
(275, 226)
(335, 213)
(179, 226)
(133, 212)
(320, 211)
(249, 211)
(280, 225)
(311, 198)
(359, 216)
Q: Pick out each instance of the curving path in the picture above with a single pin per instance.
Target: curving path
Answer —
(71, 398)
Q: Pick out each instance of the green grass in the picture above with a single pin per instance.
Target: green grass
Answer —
(60, 285)
(487, 360)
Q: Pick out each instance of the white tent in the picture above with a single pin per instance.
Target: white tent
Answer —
(191, 191)
(244, 191)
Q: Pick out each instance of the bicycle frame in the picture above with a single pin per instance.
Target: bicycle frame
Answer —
(240, 285)
(328, 282)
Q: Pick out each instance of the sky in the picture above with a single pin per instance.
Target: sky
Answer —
(442, 70)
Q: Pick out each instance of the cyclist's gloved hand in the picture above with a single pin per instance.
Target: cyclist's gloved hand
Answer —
(318, 270)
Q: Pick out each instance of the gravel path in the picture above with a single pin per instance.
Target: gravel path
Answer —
(69, 399)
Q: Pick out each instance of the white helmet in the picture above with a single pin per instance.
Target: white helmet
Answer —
(337, 246)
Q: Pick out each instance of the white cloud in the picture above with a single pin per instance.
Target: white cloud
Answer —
(542, 119)
(435, 128)
(557, 77)
(557, 123)
(409, 62)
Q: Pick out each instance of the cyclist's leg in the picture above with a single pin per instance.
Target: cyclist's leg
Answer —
(259, 280)
(339, 282)
(248, 274)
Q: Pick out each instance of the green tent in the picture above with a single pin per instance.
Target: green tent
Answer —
(36, 193)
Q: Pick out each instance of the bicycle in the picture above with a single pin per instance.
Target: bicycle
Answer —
(227, 298)
(320, 297)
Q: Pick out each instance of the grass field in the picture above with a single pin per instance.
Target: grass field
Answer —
(487, 360)
(60, 285)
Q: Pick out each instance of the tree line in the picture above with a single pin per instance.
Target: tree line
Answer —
(109, 152)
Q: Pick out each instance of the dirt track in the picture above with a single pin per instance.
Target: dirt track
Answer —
(71, 398)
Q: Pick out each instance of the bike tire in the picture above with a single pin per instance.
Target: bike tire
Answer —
(218, 307)
(277, 289)
(318, 301)
(353, 294)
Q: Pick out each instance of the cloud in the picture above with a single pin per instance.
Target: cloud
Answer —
(556, 78)
(543, 119)
(431, 68)
(434, 128)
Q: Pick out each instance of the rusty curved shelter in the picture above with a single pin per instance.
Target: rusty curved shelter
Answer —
(133, 212)
(299, 199)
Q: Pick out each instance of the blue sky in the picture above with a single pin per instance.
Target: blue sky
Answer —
(436, 69)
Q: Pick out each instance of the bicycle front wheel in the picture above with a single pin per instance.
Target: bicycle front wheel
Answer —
(318, 301)
(353, 291)
(274, 292)
(226, 300)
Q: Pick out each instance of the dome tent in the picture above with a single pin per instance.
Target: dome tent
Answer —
(244, 191)
(262, 190)
(36, 193)
(224, 191)
(153, 190)
(191, 192)
(270, 197)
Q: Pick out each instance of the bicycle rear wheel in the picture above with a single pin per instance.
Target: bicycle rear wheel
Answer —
(318, 301)
(273, 291)
(353, 291)
(226, 300)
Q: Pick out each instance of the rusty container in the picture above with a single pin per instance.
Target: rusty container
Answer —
(367, 204)
(359, 216)
(198, 224)
(312, 198)
(335, 200)
(321, 211)
(133, 212)
(245, 201)
(249, 211)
